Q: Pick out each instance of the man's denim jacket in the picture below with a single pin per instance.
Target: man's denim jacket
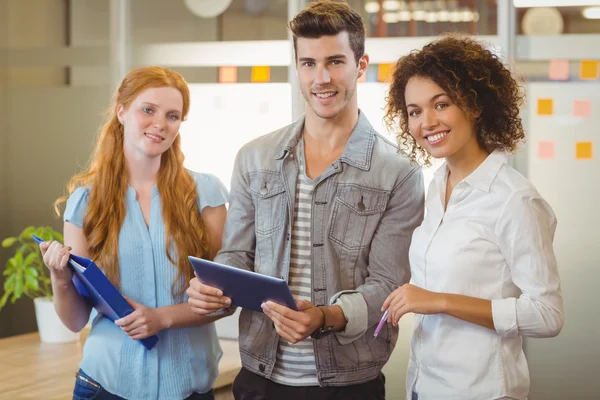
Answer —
(364, 212)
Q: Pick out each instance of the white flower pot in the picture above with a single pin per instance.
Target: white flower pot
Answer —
(49, 324)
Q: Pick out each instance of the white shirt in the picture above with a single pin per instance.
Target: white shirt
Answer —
(493, 242)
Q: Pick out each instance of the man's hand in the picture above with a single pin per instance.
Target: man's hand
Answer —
(204, 299)
(143, 322)
(294, 326)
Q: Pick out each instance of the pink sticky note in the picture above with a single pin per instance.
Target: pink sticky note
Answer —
(559, 70)
(545, 150)
(582, 108)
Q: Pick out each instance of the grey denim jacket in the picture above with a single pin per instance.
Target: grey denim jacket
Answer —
(364, 212)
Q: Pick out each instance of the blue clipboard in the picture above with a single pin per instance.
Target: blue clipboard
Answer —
(95, 288)
(246, 289)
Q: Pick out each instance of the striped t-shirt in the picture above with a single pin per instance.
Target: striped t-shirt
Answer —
(295, 364)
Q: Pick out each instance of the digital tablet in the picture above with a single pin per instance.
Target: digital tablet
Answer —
(246, 289)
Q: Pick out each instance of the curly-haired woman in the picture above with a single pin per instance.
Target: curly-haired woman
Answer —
(484, 273)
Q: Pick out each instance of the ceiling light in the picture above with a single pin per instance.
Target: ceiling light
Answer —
(555, 3)
(466, 16)
(404, 16)
(372, 7)
(591, 13)
(431, 17)
(443, 16)
(391, 5)
(390, 18)
(419, 15)
(455, 16)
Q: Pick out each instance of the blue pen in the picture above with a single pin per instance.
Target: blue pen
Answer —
(381, 322)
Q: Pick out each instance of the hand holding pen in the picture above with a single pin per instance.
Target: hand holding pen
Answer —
(412, 299)
(381, 323)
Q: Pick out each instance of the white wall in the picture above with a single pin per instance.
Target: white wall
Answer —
(568, 366)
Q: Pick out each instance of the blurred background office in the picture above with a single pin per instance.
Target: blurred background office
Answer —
(60, 61)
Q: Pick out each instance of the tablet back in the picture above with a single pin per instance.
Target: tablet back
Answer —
(245, 288)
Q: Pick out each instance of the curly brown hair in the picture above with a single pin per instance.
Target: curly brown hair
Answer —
(477, 82)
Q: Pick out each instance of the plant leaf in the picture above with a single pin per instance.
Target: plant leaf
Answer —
(9, 241)
(32, 283)
(3, 299)
(9, 283)
(27, 232)
(31, 258)
(31, 271)
(18, 292)
(11, 265)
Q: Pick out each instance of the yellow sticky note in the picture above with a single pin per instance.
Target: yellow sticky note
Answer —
(260, 74)
(545, 150)
(227, 74)
(384, 72)
(589, 69)
(582, 108)
(558, 70)
(583, 150)
(545, 107)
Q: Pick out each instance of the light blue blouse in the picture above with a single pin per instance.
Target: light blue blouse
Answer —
(185, 360)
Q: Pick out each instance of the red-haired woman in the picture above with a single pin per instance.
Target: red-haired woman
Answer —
(139, 213)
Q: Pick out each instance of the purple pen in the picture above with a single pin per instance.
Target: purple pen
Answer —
(381, 322)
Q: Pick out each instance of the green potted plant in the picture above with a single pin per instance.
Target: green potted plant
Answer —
(26, 275)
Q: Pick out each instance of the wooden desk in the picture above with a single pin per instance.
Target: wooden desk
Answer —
(30, 369)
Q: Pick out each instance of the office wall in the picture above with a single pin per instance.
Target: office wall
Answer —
(47, 129)
(46, 27)
(158, 21)
(48, 143)
(3, 143)
(567, 367)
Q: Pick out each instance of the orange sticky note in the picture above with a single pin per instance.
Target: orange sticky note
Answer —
(260, 74)
(545, 150)
(583, 150)
(558, 70)
(588, 69)
(545, 107)
(582, 108)
(227, 74)
(384, 72)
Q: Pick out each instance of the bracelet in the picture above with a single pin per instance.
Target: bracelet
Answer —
(324, 317)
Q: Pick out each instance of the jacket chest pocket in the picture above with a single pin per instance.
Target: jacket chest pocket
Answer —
(356, 214)
(268, 192)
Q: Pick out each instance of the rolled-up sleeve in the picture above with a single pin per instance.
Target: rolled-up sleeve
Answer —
(388, 258)
(526, 233)
(355, 310)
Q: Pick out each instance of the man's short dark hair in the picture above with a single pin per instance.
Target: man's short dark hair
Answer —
(329, 18)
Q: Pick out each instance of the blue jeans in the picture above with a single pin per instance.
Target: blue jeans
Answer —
(88, 389)
(415, 396)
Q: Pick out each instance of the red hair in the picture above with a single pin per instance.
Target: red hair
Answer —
(107, 177)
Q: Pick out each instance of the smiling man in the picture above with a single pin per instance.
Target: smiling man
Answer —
(329, 205)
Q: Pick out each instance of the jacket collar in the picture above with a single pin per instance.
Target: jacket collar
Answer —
(359, 147)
